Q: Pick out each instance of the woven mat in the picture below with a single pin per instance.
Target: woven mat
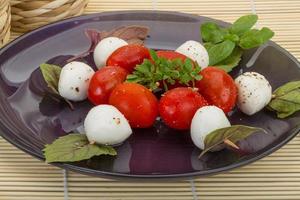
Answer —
(274, 177)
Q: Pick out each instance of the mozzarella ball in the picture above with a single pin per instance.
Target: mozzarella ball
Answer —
(195, 51)
(105, 48)
(74, 81)
(105, 124)
(254, 92)
(206, 120)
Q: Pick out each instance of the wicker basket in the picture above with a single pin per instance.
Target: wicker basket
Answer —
(31, 14)
(4, 21)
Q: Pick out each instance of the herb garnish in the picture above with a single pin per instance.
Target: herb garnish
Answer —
(158, 70)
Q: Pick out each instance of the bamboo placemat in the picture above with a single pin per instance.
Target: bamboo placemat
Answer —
(274, 177)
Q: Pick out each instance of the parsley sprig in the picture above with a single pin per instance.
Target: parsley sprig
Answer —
(152, 73)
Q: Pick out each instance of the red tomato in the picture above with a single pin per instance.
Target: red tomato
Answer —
(128, 56)
(178, 106)
(103, 82)
(137, 103)
(218, 88)
(170, 55)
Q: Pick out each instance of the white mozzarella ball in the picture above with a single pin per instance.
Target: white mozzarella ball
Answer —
(254, 92)
(105, 48)
(105, 124)
(74, 81)
(195, 51)
(206, 120)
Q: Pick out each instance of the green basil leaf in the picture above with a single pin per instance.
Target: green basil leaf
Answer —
(250, 33)
(211, 32)
(243, 24)
(286, 100)
(255, 38)
(233, 133)
(51, 75)
(220, 52)
(231, 61)
(208, 45)
(74, 147)
(232, 37)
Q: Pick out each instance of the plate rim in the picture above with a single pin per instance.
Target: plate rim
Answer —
(118, 175)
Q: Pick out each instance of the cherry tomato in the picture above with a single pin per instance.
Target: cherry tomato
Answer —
(128, 56)
(170, 55)
(137, 103)
(103, 82)
(178, 106)
(218, 88)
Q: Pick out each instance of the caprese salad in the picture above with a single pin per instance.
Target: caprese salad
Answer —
(132, 86)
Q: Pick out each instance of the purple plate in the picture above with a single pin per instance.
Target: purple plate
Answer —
(29, 120)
